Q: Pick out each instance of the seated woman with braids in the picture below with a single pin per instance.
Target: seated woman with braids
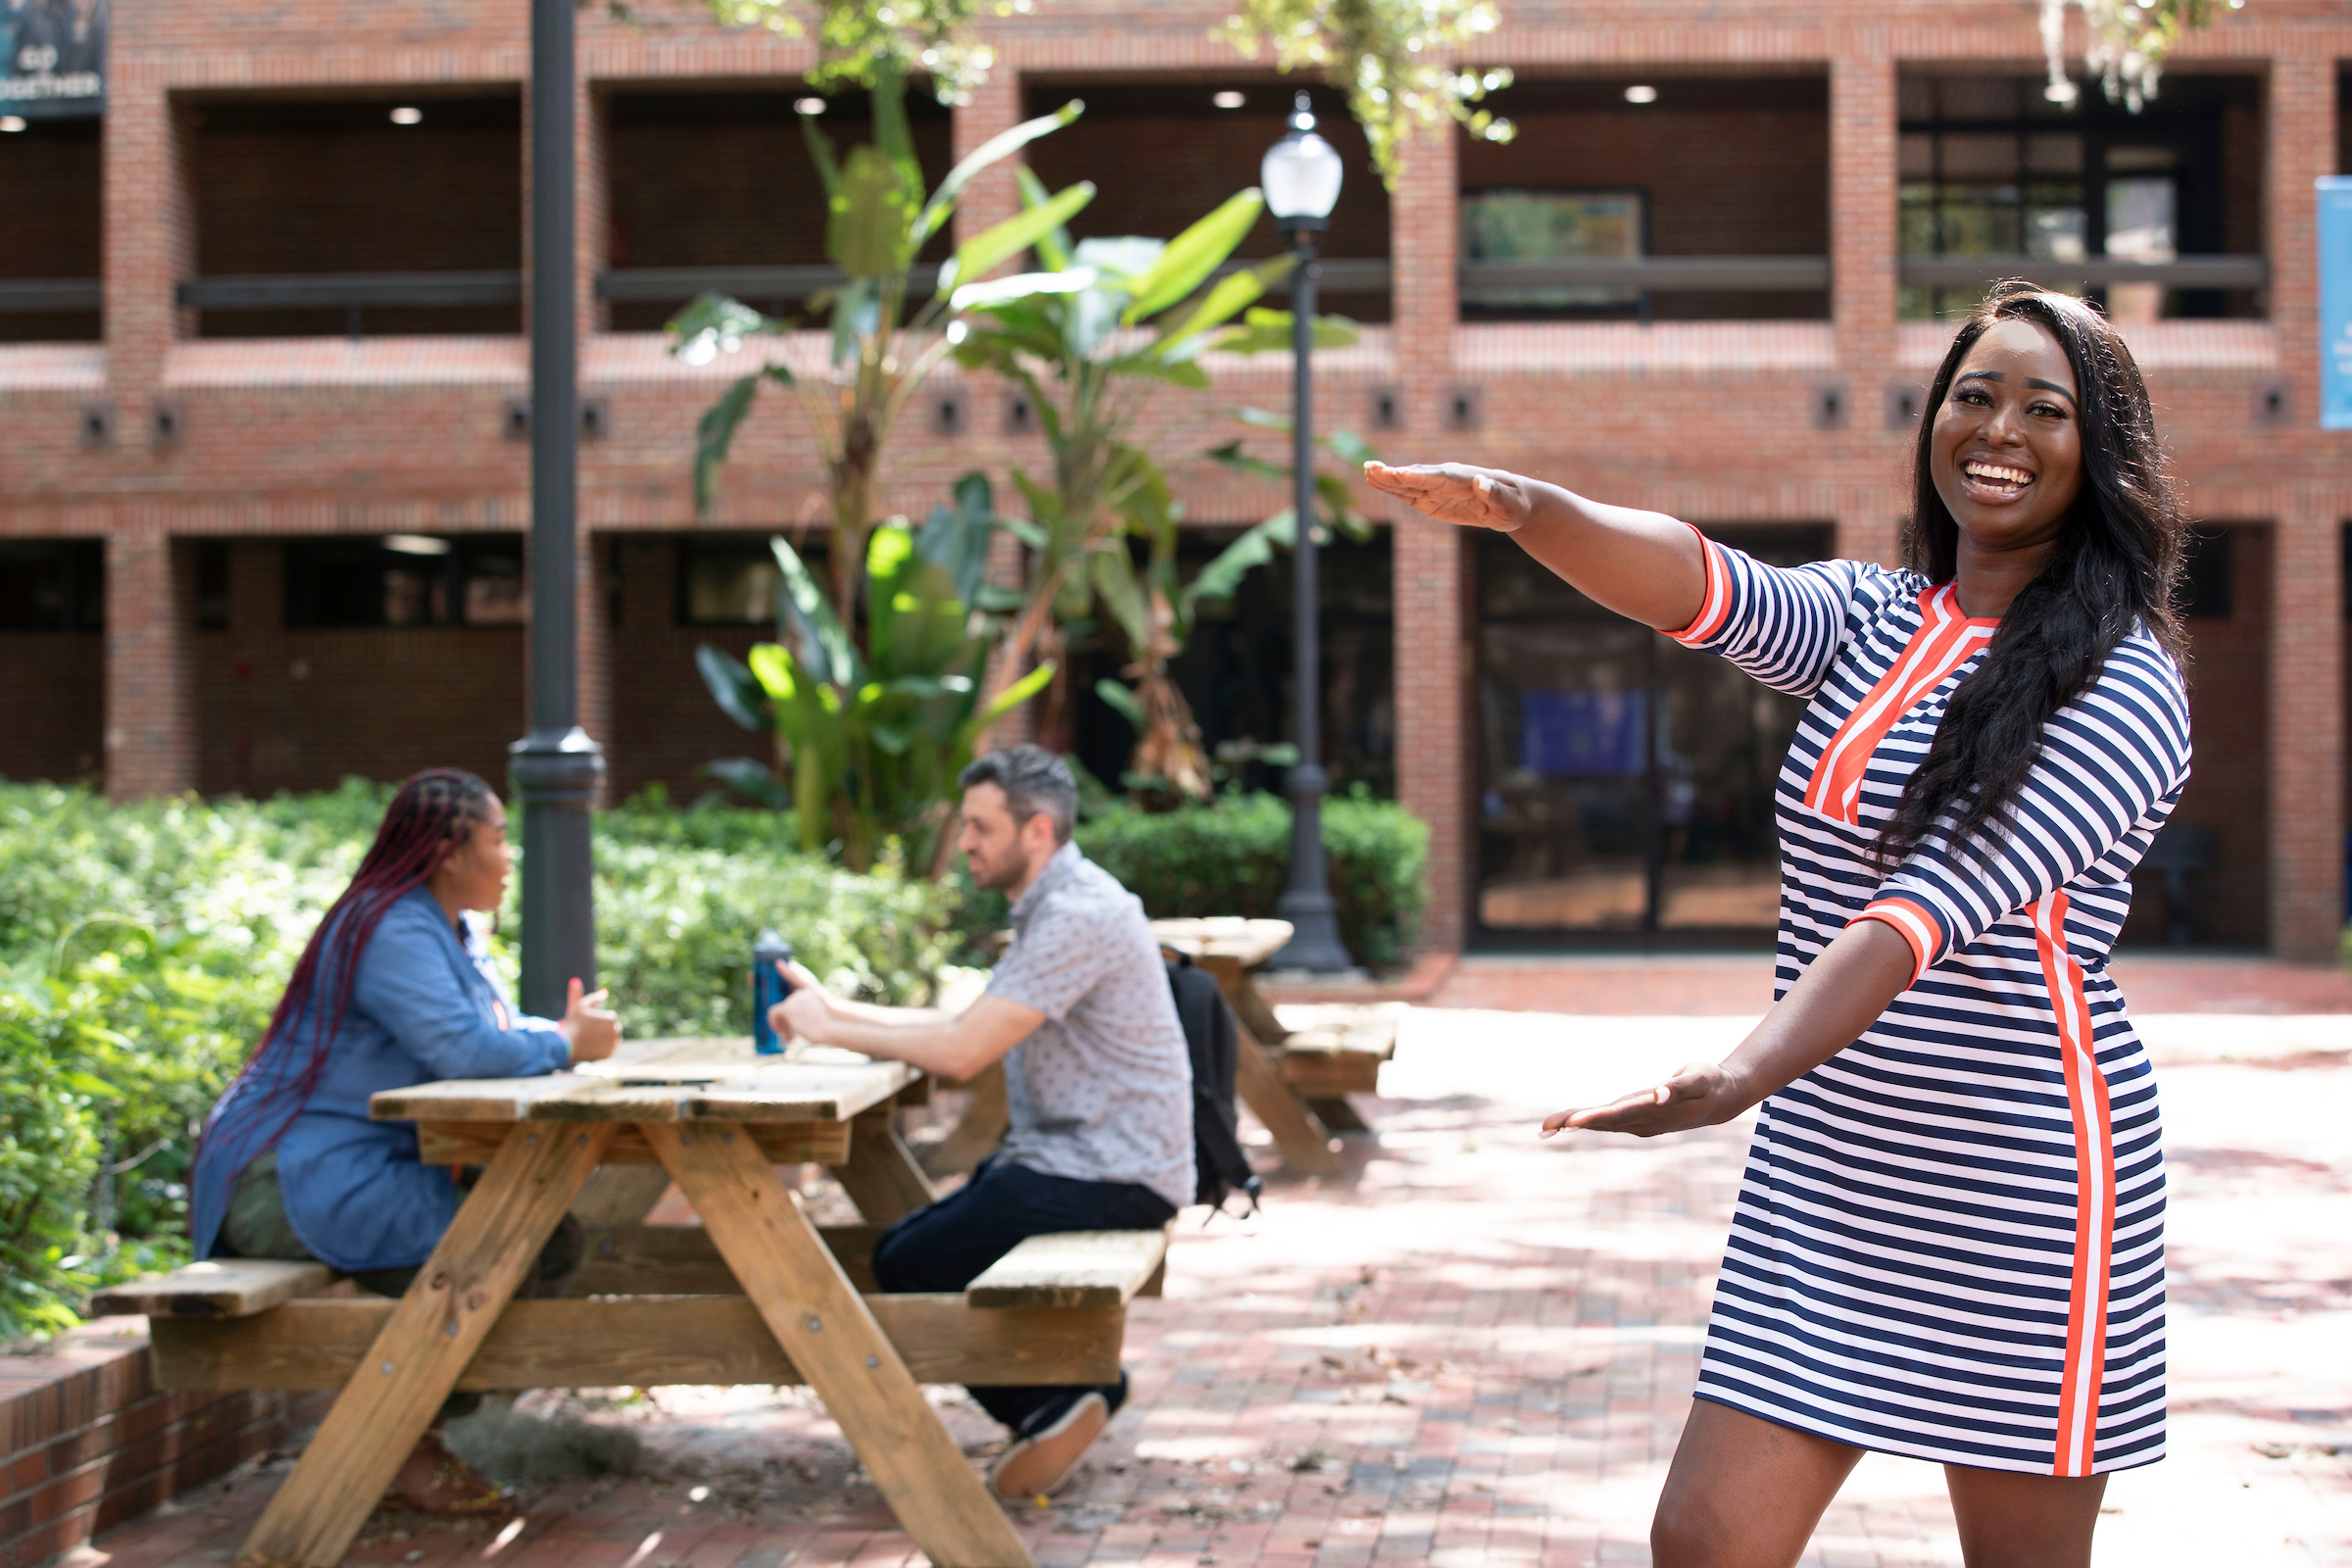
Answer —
(393, 989)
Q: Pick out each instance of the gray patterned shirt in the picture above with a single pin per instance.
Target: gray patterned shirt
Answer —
(1102, 1090)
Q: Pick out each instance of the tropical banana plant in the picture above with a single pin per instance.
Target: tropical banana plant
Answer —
(1090, 336)
(886, 336)
(871, 741)
(1157, 613)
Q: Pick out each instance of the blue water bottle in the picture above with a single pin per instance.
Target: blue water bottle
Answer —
(768, 987)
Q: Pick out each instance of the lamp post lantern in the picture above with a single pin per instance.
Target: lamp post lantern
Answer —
(1301, 179)
(556, 770)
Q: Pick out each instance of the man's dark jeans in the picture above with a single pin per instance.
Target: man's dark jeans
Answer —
(948, 1245)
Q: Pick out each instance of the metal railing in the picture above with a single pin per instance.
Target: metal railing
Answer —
(2098, 272)
(352, 293)
(24, 296)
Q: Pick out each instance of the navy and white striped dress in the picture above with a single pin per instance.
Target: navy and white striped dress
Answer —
(1950, 1240)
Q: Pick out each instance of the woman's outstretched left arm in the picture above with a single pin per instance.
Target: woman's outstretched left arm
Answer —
(1841, 994)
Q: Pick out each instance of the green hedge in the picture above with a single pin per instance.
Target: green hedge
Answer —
(1233, 858)
(142, 949)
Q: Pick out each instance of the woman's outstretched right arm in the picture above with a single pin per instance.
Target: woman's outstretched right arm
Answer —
(1643, 565)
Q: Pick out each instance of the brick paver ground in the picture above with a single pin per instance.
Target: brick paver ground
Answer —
(1478, 1348)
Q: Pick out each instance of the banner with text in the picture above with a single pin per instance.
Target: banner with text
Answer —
(53, 57)
(2335, 303)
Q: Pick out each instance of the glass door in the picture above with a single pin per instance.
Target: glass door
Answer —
(1625, 782)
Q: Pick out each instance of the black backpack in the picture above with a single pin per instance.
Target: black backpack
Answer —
(1214, 1038)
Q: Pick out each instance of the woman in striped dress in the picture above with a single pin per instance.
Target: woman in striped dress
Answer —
(1948, 1243)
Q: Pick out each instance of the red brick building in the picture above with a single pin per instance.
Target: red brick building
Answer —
(262, 490)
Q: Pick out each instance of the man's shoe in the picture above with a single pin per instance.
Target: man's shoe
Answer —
(1039, 1464)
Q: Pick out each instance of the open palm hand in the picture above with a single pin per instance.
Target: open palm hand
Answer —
(1457, 492)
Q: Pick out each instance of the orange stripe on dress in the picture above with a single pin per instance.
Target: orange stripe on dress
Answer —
(1716, 608)
(1945, 638)
(2075, 1449)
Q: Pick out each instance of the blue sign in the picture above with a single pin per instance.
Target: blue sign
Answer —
(1584, 734)
(2335, 303)
(53, 57)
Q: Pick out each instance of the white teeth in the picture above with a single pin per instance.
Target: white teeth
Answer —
(1987, 470)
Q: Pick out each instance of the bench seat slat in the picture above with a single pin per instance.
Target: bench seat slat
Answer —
(221, 1288)
(1071, 1269)
(643, 1340)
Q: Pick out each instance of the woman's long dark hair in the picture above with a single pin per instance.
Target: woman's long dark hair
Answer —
(2117, 565)
(430, 817)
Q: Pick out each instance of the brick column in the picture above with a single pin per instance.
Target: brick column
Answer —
(150, 663)
(2307, 623)
(1863, 254)
(150, 234)
(995, 106)
(1432, 741)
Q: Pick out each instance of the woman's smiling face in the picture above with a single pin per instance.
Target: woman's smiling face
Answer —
(2006, 453)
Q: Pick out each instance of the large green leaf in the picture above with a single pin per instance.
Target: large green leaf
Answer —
(869, 213)
(820, 152)
(1231, 456)
(1264, 332)
(893, 138)
(1053, 246)
(822, 647)
(1011, 698)
(999, 241)
(1116, 589)
(1020, 286)
(994, 150)
(1121, 699)
(737, 691)
(1194, 253)
(715, 325)
(1223, 576)
(714, 432)
(957, 536)
(1230, 295)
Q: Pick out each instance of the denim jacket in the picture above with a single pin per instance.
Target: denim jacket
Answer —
(424, 1006)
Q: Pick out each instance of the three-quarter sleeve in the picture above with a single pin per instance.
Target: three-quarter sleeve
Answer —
(1782, 624)
(2111, 767)
(410, 981)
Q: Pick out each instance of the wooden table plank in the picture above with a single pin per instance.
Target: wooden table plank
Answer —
(431, 1333)
(469, 1142)
(826, 1329)
(641, 1342)
(221, 1288)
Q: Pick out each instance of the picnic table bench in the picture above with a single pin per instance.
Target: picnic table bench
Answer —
(757, 1295)
(1294, 1076)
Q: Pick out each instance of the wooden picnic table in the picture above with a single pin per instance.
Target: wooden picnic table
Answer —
(718, 1119)
(1232, 950)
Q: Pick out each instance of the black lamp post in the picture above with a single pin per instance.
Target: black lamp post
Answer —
(557, 771)
(1301, 179)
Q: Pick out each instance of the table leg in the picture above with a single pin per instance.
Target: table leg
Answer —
(1304, 1142)
(823, 1325)
(881, 1177)
(434, 1331)
(1336, 1112)
(977, 1132)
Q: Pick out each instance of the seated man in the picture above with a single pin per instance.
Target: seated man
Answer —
(1098, 1081)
